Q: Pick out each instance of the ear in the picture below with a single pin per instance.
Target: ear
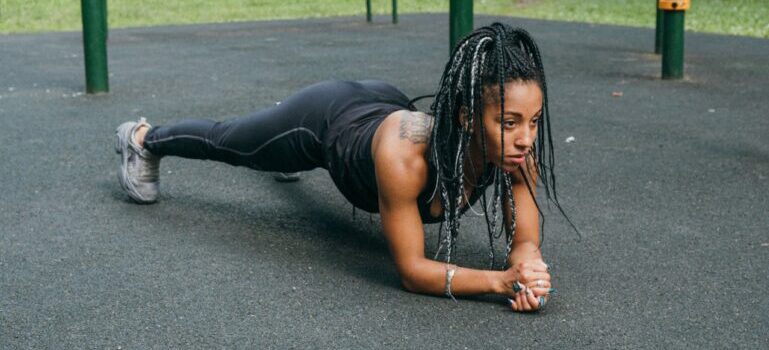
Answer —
(463, 119)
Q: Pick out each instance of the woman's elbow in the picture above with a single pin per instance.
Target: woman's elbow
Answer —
(410, 285)
(412, 278)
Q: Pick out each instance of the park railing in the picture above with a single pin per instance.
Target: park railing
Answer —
(95, 31)
(669, 39)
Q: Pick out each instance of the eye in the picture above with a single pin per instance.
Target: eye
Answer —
(509, 123)
(535, 121)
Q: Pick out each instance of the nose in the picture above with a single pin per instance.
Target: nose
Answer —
(524, 138)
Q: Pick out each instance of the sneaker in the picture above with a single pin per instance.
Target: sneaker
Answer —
(286, 177)
(138, 173)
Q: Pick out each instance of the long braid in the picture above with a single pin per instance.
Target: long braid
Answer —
(509, 230)
(501, 81)
(544, 145)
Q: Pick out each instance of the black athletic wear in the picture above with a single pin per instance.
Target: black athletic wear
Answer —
(329, 124)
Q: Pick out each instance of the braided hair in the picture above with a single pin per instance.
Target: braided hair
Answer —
(480, 65)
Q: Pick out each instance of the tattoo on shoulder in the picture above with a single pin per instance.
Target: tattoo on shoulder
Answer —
(416, 127)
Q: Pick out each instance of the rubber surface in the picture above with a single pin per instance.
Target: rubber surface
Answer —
(668, 181)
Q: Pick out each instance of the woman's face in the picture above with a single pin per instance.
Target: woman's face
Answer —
(517, 124)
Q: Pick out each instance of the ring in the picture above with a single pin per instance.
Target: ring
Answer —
(540, 283)
(516, 287)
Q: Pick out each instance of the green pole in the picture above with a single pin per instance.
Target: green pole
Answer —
(658, 32)
(368, 10)
(94, 14)
(673, 45)
(460, 21)
(395, 11)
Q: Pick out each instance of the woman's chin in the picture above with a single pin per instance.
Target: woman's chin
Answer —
(510, 168)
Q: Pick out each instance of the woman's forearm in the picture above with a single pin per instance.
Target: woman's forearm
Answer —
(524, 251)
(430, 277)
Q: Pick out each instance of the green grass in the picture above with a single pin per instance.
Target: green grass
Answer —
(738, 17)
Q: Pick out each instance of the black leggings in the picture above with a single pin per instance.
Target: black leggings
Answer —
(329, 125)
(286, 137)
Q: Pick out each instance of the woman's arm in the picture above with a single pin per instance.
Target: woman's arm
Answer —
(401, 171)
(526, 238)
(525, 256)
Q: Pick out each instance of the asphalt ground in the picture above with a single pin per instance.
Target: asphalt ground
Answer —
(668, 183)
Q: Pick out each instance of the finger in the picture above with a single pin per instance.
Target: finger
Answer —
(518, 304)
(540, 266)
(517, 286)
(533, 300)
(530, 276)
(539, 284)
(541, 291)
(540, 287)
(523, 301)
(549, 292)
(533, 265)
(543, 300)
(512, 304)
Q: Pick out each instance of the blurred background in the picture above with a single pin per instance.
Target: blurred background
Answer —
(736, 17)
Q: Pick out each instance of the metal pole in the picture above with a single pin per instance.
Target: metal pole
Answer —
(658, 32)
(94, 14)
(460, 21)
(395, 11)
(673, 45)
(368, 10)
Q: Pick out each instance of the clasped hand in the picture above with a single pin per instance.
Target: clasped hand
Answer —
(529, 285)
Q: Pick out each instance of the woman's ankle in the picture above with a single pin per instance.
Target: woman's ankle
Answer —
(139, 135)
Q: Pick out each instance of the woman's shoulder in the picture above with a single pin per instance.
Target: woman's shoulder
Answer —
(415, 127)
(405, 132)
(400, 146)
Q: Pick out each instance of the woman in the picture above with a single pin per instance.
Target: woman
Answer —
(411, 167)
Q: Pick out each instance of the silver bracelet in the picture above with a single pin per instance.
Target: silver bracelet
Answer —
(449, 277)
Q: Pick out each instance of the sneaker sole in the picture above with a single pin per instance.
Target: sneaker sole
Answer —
(281, 177)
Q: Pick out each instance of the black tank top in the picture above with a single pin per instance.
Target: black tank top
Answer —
(354, 118)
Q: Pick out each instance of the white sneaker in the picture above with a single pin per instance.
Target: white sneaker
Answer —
(139, 169)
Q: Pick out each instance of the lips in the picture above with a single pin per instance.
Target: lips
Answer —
(518, 158)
